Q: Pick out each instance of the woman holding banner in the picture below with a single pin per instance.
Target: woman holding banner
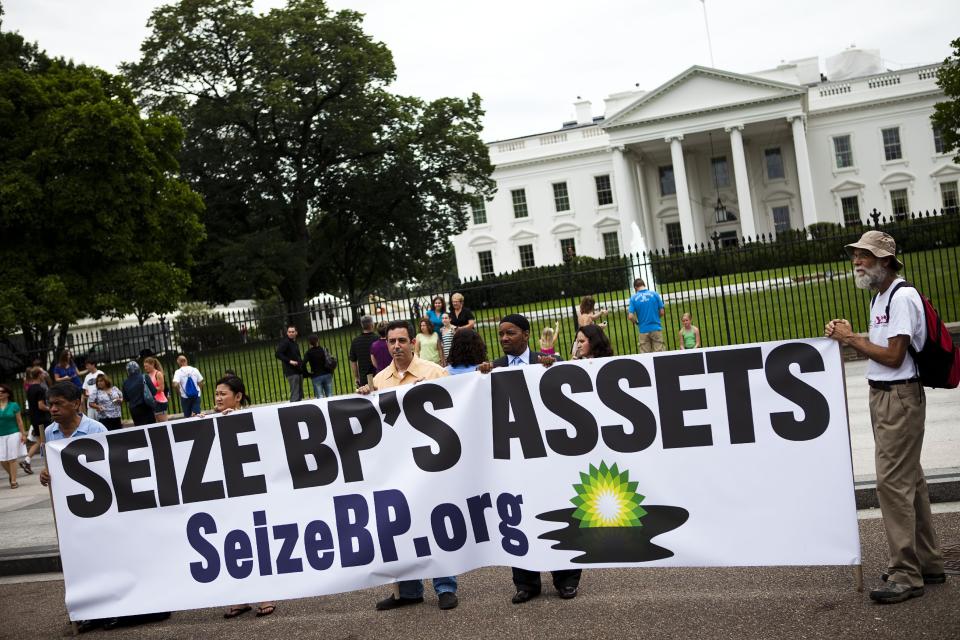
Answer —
(231, 395)
(591, 342)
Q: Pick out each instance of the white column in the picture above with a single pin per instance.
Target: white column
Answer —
(646, 215)
(626, 197)
(687, 230)
(803, 171)
(748, 223)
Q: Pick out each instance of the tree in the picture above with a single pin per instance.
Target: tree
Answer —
(88, 191)
(315, 177)
(946, 115)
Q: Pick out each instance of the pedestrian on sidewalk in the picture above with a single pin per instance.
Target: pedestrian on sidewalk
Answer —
(139, 392)
(188, 383)
(39, 413)
(898, 413)
(105, 401)
(288, 352)
(13, 435)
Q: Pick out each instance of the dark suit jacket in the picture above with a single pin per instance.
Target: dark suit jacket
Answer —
(534, 355)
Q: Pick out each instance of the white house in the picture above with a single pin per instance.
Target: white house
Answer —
(781, 149)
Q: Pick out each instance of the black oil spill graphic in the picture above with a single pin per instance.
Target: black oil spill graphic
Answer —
(614, 544)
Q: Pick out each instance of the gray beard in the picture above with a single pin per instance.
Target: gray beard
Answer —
(872, 278)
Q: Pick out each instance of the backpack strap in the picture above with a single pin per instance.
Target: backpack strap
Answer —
(910, 349)
(890, 297)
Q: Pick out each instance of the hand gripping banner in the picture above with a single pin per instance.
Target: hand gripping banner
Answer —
(714, 457)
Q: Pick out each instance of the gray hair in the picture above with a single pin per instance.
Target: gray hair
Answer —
(366, 322)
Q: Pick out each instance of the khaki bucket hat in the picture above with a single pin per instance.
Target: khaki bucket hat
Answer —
(879, 244)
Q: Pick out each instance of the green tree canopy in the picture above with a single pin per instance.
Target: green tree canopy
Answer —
(946, 115)
(88, 194)
(316, 178)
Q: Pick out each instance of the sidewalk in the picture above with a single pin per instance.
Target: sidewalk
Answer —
(28, 541)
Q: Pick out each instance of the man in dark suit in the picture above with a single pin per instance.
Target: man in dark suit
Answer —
(514, 333)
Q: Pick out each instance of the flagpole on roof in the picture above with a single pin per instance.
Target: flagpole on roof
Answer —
(706, 23)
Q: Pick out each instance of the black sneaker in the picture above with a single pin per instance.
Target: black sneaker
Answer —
(26, 467)
(893, 592)
(928, 578)
(395, 603)
(448, 600)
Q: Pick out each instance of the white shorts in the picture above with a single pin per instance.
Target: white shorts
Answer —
(10, 447)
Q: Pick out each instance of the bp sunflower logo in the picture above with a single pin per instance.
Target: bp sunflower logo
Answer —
(606, 497)
(605, 526)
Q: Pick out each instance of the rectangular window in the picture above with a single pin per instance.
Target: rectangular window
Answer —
(674, 237)
(611, 243)
(774, 161)
(604, 191)
(568, 249)
(899, 203)
(561, 197)
(781, 219)
(486, 263)
(891, 143)
(526, 256)
(850, 206)
(479, 209)
(519, 203)
(949, 196)
(667, 186)
(938, 141)
(843, 152)
(721, 171)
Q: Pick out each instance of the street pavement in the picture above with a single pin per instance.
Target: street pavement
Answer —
(799, 602)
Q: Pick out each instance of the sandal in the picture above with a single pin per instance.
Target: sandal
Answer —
(14, 485)
(233, 612)
(265, 610)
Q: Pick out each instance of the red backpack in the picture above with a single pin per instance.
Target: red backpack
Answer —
(938, 361)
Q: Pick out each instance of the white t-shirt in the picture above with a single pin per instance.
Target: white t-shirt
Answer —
(180, 377)
(90, 382)
(906, 319)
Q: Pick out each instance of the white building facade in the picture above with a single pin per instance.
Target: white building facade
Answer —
(781, 149)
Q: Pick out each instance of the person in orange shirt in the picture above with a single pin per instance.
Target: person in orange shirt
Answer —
(408, 368)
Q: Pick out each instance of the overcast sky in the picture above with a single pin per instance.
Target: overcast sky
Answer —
(530, 59)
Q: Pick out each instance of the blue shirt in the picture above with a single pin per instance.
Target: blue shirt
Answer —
(436, 319)
(456, 370)
(646, 305)
(86, 427)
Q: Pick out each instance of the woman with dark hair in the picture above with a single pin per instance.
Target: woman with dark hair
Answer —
(66, 370)
(315, 359)
(13, 435)
(435, 313)
(588, 315)
(592, 342)
(466, 351)
(231, 395)
(106, 400)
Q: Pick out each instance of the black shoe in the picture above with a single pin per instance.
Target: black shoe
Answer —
(112, 623)
(394, 603)
(84, 626)
(893, 592)
(928, 578)
(522, 595)
(448, 600)
(26, 467)
(567, 593)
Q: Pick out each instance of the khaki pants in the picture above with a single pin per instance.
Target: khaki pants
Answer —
(898, 418)
(652, 341)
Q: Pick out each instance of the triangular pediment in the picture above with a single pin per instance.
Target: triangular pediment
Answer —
(700, 89)
(523, 234)
(848, 185)
(606, 222)
(946, 171)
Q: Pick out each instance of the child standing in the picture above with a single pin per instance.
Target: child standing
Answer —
(549, 338)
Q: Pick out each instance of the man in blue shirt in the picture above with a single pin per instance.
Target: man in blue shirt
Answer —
(63, 401)
(646, 309)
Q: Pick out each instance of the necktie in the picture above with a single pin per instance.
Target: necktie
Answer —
(516, 361)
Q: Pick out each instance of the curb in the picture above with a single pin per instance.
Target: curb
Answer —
(944, 486)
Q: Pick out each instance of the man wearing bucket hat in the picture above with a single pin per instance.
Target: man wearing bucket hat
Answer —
(898, 413)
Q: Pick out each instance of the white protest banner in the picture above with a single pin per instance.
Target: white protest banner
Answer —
(726, 456)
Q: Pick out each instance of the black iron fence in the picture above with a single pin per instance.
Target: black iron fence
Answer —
(775, 288)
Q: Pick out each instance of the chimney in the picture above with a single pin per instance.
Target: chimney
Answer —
(584, 112)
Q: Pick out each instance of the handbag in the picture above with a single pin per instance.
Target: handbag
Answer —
(148, 398)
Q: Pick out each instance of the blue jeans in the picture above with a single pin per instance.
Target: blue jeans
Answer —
(414, 588)
(191, 406)
(323, 385)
